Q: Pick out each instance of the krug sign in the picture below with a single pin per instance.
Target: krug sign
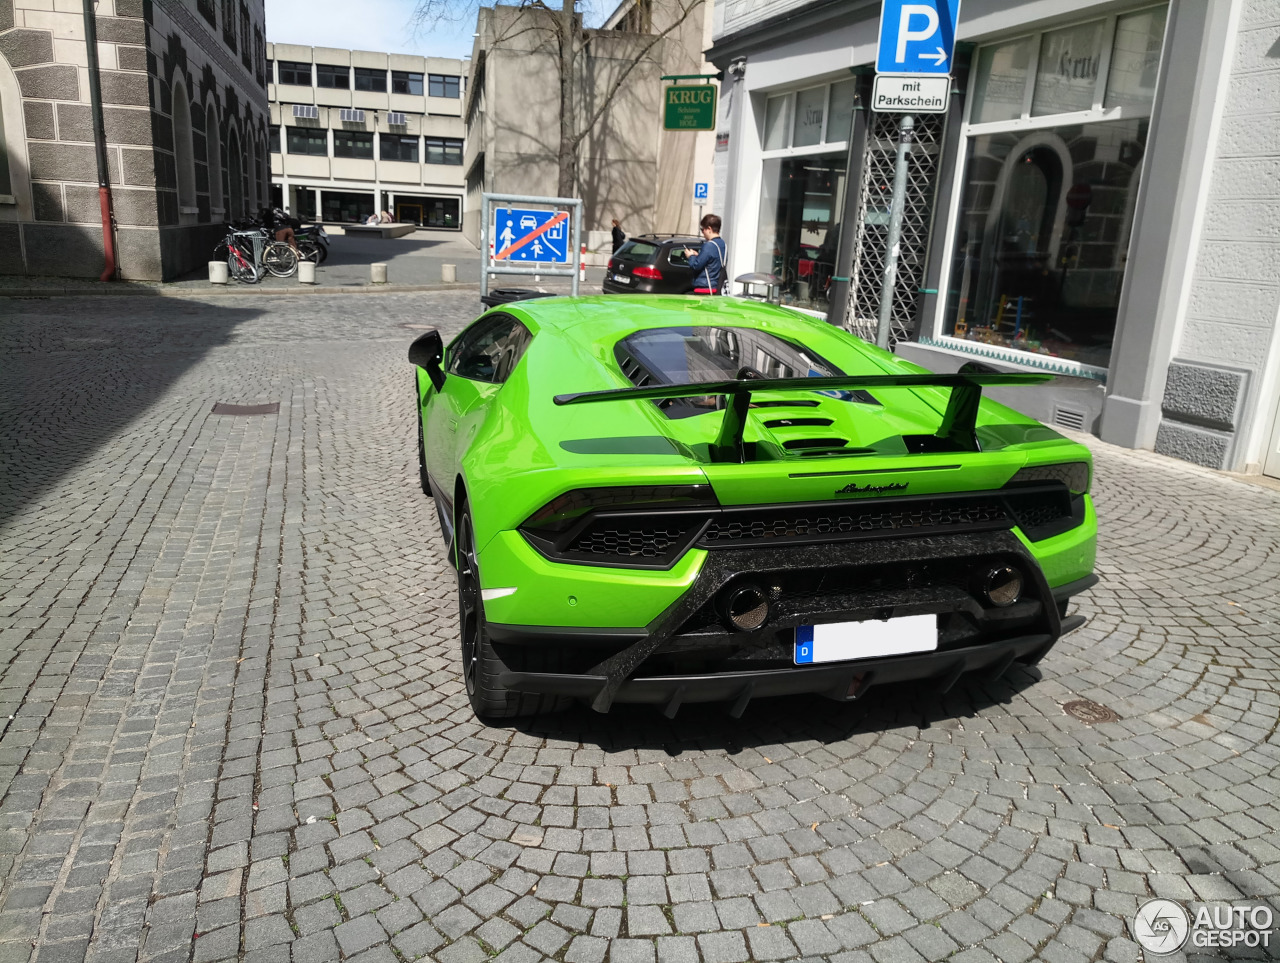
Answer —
(689, 107)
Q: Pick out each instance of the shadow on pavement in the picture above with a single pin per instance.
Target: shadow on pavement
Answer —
(777, 721)
(77, 371)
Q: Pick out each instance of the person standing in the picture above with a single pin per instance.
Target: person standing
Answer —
(709, 263)
(619, 237)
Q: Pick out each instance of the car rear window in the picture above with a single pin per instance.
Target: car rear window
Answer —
(685, 355)
(636, 252)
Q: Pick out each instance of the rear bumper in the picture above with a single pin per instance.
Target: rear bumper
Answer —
(842, 681)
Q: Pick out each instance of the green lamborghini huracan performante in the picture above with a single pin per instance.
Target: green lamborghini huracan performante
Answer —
(669, 499)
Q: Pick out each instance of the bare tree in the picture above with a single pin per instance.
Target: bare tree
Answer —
(570, 41)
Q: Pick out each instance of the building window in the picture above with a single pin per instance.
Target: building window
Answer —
(406, 83)
(1055, 139)
(294, 73)
(229, 23)
(803, 188)
(273, 132)
(207, 11)
(6, 183)
(307, 140)
(374, 80)
(444, 150)
(260, 58)
(398, 147)
(444, 86)
(328, 75)
(346, 207)
(353, 143)
(809, 117)
(213, 157)
(246, 38)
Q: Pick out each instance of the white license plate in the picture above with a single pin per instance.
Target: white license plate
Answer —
(843, 641)
(621, 280)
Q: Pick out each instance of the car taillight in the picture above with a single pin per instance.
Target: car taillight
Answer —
(613, 265)
(652, 274)
(1073, 474)
(561, 513)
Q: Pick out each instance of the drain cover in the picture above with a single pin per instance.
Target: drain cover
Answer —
(222, 408)
(1090, 712)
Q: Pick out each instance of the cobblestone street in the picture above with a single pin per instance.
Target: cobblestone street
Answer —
(234, 728)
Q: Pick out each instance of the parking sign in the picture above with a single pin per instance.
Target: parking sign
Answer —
(917, 37)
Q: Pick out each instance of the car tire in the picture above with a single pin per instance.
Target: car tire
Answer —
(481, 666)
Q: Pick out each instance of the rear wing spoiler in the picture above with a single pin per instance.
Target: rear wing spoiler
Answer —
(956, 433)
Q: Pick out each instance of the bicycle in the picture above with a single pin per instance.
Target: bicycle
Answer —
(248, 252)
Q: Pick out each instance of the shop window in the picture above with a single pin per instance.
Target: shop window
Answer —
(1000, 92)
(809, 117)
(353, 143)
(1050, 182)
(307, 140)
(1135, 59)
(1042, 238)
(332, 76)
(373, 80)
(444, 86)
(295, 73)
(799, 231)
(398, 147)
(444, 150)
(403, 82)
(1067, 71)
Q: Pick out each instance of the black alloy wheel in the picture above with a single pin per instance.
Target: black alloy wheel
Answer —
(490, 700)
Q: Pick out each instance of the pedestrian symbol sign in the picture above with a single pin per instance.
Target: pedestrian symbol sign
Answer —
(917, 37)
(530, 235)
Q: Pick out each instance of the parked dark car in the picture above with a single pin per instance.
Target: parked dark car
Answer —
(652, 264)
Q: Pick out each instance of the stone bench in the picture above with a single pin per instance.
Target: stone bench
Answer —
(380, 230)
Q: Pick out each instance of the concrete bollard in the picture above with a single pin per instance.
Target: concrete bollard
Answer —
(306, 272)
(378, 273)
(448, 273)
(219, 273)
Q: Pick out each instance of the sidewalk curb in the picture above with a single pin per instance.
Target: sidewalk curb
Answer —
(111, 289)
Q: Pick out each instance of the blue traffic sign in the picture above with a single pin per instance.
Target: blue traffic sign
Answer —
(530, 235)
(701, 190)
(917, 37)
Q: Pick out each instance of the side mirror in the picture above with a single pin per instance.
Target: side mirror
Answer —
(427, 351)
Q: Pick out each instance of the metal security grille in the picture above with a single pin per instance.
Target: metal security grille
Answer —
(873, 225)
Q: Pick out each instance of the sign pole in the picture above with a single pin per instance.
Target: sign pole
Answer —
(896, 207)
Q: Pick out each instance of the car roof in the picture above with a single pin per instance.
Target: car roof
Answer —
(610, 316)
(665, 238)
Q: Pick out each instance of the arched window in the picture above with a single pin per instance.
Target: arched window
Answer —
(213, 154)
(6, 183)
(183, 154)
(15, 188)
(235, 175)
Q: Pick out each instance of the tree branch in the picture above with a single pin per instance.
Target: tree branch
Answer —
(632, 62)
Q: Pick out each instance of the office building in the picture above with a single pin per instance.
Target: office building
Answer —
(354, 132)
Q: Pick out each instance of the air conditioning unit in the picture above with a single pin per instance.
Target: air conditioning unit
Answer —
(309, 111)
(395, 119)
(352, 116)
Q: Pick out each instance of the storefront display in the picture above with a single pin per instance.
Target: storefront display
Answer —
(1055, 140)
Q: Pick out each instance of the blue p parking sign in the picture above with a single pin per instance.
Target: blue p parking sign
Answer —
(917, 37)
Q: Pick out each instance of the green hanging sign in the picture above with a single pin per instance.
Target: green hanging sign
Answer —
(689, 107)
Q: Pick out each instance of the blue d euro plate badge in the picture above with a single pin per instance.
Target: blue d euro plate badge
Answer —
(844, 641)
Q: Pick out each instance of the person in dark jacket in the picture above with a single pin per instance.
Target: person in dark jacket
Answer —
(709, 263)
(619, 237)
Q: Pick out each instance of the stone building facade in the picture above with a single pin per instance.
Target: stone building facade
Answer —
(185, 112)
